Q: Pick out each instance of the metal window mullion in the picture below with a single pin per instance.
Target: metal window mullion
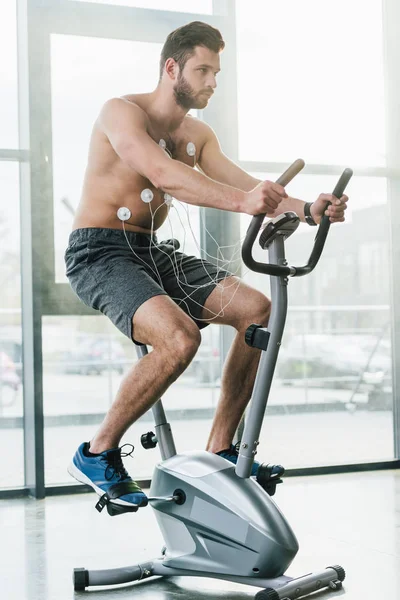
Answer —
(14, 155)
(222, 115)
(114, 22)
(30, 282)
(222, 7)
(391, 37)
(317, 169)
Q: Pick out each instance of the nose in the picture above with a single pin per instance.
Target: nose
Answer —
(212, 82)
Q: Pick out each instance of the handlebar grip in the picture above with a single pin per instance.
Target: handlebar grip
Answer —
(257, 220)
(291, 172)
(338, 193)
(342, 183)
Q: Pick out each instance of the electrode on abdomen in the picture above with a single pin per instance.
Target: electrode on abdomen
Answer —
(124, 213)
(147, 195)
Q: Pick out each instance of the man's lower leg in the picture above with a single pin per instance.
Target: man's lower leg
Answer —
(139, 390)
(236, 389)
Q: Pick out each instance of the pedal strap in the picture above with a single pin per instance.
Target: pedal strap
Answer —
(116, 491)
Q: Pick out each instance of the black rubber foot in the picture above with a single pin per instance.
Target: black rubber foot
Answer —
(80, 579)
(268, 594)
(341, 573)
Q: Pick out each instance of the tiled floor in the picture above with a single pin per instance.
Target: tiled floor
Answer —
(352, 520)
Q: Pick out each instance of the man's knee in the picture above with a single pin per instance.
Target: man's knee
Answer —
(183, 345)
(256, 310)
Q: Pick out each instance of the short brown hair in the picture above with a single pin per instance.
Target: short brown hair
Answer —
(181, 43)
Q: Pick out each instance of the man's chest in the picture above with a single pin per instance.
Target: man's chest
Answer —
(184, 145)
(186, 149)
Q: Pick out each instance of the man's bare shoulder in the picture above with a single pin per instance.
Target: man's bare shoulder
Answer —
(198, 128)
(126, 106)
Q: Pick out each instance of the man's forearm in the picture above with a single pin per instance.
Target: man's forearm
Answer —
(291, 204)
(188, 185)
(288, 204)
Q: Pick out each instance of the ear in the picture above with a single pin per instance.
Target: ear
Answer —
(171, 68)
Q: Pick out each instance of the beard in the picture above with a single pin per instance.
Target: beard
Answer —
(185, 95)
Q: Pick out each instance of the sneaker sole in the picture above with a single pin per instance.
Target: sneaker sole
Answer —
(82, 478)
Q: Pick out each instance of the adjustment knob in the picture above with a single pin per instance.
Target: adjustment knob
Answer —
(257, 336)
(148, 440)
(250, 332)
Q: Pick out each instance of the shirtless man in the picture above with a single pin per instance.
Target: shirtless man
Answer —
(142, 153)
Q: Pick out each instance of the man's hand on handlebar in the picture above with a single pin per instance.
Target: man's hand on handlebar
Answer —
(335, 210)
(264, 198)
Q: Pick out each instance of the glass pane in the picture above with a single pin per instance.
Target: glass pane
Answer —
(203, 7)
(85, 73)
(332, 388)
(313, 96)
(79, 88)
(8, 75)
(11, 402)
(85, 359)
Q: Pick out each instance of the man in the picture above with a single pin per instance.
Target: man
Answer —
(142, 152)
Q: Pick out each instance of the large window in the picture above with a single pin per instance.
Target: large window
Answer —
(333, 376)
(311, 81)
(313, 99)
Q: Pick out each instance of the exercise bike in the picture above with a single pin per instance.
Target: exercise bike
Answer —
(216, 520)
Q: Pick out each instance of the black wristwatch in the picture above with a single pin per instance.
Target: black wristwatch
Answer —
(307, 214)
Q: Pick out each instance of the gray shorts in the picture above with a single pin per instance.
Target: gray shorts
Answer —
(114, 278)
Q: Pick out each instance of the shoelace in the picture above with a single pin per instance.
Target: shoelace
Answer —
(232, 450)
(115, 466)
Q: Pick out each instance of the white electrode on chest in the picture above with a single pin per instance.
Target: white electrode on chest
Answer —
(191, 149)
(162, 143)
(147, 195)
(168, 199)
(124, 213)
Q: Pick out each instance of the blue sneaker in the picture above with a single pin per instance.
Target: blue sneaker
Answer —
(106, 474)
(232, 455)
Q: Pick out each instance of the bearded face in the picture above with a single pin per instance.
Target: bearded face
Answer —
(187, 97)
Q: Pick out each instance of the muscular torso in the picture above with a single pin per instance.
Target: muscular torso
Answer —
(110, 183)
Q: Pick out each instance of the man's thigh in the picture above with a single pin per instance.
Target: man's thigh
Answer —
(189, 281)
(159, 321)
(236, 303)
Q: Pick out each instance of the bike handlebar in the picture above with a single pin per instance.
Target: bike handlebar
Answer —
(320, 238)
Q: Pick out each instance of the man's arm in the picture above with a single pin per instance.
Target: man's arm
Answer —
(125, 125)
(214, 163)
